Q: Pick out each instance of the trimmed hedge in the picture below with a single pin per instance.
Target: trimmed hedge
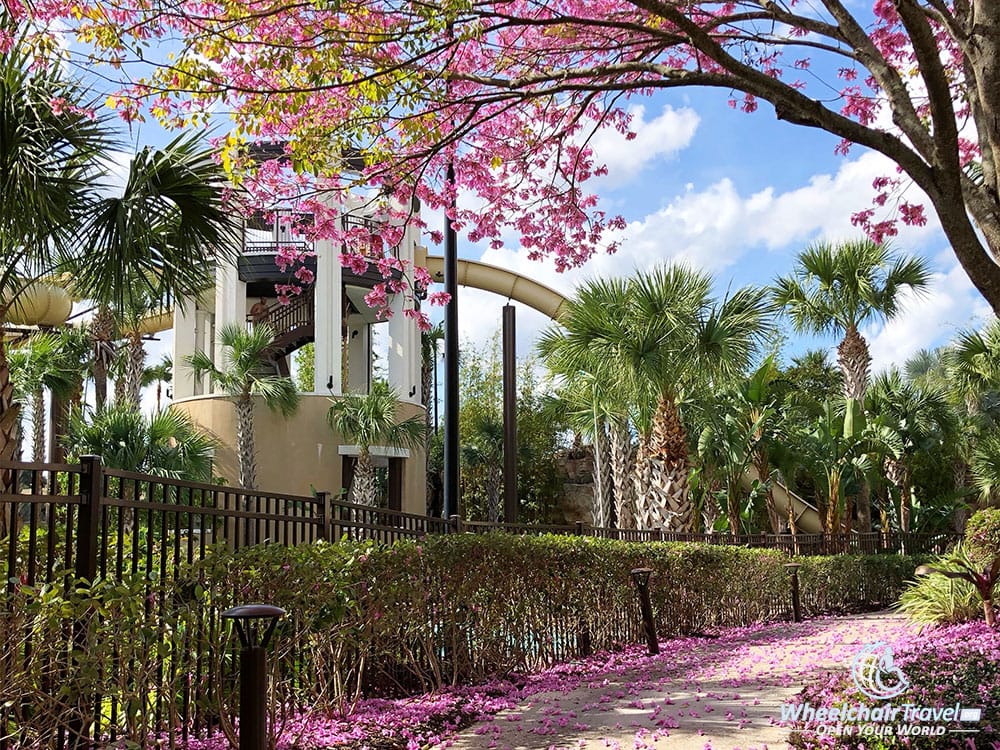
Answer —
(413, 616)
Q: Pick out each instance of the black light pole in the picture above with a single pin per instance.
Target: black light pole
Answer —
(509, 416)
(253, 669)
(451, 504)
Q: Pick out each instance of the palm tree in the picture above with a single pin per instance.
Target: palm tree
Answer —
(683, 339)
(47, 154)
(656, 336)
(166, 443)
(38, 364)
(370, 420)
(839, 288)
(162, 231)
(581, 350)
(245, 374)
(585, 408)
(160, 373)
(922, 420)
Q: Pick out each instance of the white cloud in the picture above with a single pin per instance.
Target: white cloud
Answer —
(928, 320)
(661, 138)
(716, 227)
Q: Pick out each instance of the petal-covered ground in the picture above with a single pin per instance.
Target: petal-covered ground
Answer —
(722, 692)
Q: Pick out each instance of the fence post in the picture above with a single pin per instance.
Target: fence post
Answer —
(454, 524)
(88, 524)
(579, 528)
(88, 521)
(326, 508)
(657, 535)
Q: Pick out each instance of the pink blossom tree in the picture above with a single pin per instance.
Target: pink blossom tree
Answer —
(510, 92)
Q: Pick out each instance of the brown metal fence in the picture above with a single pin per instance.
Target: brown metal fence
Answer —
(99, 523)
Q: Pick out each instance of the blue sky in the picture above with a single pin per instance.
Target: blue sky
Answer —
(738, 195)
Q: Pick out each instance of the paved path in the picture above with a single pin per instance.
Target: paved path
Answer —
(699, 694)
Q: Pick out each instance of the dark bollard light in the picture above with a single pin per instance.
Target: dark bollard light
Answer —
(255, 624)
(640, 576)
(793, 569)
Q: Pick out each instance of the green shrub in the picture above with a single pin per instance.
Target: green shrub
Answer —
(982, 535)
(939, 600)
(418, 615)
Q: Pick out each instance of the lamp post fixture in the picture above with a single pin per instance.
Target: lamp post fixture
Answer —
(793, 569)
(641, 576)
(255, 624)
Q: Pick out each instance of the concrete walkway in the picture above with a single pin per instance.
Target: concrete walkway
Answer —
(699, 694)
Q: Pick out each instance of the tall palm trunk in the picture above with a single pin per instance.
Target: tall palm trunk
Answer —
(854, 360)
(762, 463)
(601, 510)
(898, 474)
(245, 444)
(9, 419)
(102, 333)
(363, 488)
(667, 500)
(38, 426)
(135, 364)
(620, 446)
(494, 504)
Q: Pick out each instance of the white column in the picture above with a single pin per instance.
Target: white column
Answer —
(185, 334)
(359, 356)
(404, 351)
(204, 341)
(328, 320)
(230, 304)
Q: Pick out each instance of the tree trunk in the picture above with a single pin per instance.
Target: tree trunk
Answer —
(9, 417)
(854, 361)
(898, 475)
(58, 417)
(667, 501)
(102, 332)
(601, 509)
(864, 508)
(363, 487)
(38, 426)
(620, 444)
(494, 502)
(733, 507)
(134, 367)
(245, 444)
(762, 464)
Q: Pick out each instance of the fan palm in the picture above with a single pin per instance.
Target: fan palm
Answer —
(921, 418)
(655, 336)
(46, 157)
(40, 363)
(840, 288)
(370, 420)
(581, 350)
(246, 373)
(160, 373)
(166, 444)
(685, 339)
(161, 232)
